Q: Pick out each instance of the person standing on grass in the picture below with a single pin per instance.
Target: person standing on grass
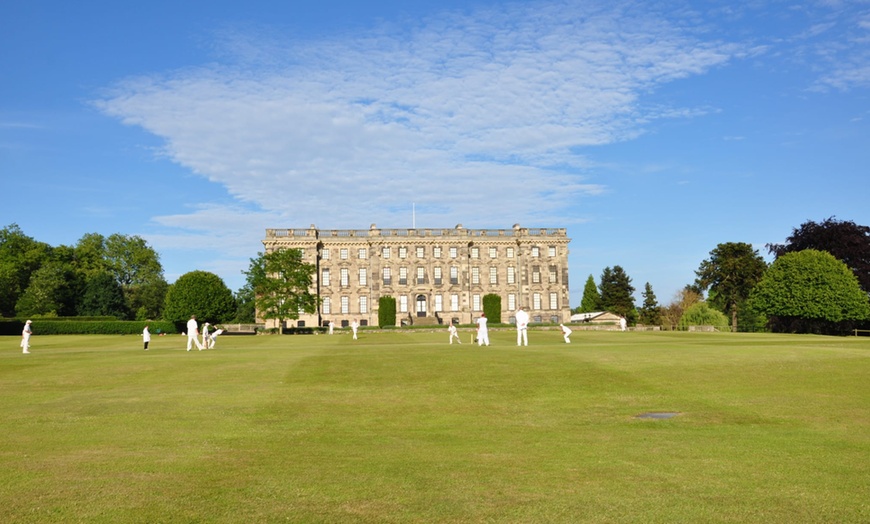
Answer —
(146, 337)
(354, 326)
(193, 333)
(482, 331)
(566, 333)
(25, 337)
(453, 333)
(205, 339)
(522, 327)
(331, 326)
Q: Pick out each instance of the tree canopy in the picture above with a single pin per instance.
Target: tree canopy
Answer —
(811, 291)
(730, 273)
(591, 299)
(282, 281)
(202, 294)
(616, 293)
(650, 312)
(846, 240)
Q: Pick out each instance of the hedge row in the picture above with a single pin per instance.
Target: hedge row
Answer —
(56, 326)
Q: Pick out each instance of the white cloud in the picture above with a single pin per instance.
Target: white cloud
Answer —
(457, 114)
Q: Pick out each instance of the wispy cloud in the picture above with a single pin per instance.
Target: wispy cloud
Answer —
(460, 114)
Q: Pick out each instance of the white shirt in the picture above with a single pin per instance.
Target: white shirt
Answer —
(481, 323)
(522, 319)
(191, 327)
(146, 335)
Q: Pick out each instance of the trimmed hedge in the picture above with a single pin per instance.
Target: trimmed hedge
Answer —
(61, 326)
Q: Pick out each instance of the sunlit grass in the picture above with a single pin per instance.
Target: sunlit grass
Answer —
(400, 427)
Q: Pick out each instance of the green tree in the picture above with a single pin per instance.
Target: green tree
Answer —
(811, 291)
(202, 294)
(591, 299)
(282, 285)
(650, 313)
(103, 296)
(846, 240)
(20, 256)
(246, 305)
(616, 294)
(492, 307)
(386, 311)
(730, 273)
(701, 314)
(51, 292)
(683, 300)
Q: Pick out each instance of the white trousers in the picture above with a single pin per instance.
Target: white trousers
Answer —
(191, 340)
(522, 336)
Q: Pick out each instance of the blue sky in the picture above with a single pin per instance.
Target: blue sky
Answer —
(652, 131)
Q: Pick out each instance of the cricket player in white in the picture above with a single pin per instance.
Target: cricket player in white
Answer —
(566, 333)
(522, 327)
(193, 333)
(453, 334)
(482, 331)
(25, 337)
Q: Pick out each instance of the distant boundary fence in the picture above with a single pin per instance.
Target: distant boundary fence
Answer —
(862, 332)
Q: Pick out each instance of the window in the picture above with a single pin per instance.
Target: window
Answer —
(493, 275)
(324, 254)
(509, 252)
(403, 252)
(403, 276)
(536, 275)
(511, 275)
(345, 280)
(345, 305)
(552, 251)
(436, 274)
(454, 274)
(388, 280)
(536, 251)
(326, 306)
(436, 251)
(536, 301)
(475, 275)
(453, 252)
(475, 252)
(439, 306)
(363, 253)
(363, 276)
(493, 252)
(552, 274)
(554, 301)
(403, 304)
(324, 278)
(421, 252)
(454, 302)
(363, 304)
(421, 275)
(342, 254)
(385, 252)
(475, 302)
(512, 302)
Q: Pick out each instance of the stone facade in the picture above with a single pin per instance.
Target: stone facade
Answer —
(435, 275)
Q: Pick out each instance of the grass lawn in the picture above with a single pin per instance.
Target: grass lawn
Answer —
(402, 427)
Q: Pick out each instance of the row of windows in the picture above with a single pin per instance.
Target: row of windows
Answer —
(437, 276)
(438, 303)
(437, 252)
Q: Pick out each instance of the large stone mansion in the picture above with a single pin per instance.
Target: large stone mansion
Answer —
(435, 275)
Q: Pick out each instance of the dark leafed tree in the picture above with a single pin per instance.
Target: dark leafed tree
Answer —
(730, 273)
(846, 240)
(591, 298)
(282, 285)
(103, 296)
(616, 293)
(202, 294)
(810, 291)
(20, 256)
(650, 312)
